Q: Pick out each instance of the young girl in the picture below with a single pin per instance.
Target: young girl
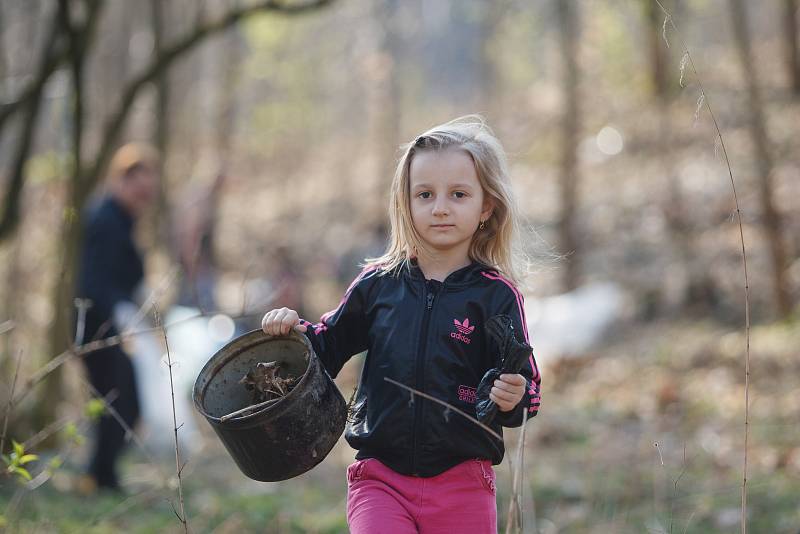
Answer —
(419, 311)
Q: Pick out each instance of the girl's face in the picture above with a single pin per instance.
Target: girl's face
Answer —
(447, 200)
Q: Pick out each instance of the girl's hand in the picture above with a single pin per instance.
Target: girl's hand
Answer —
(508, 391)
(280, 321)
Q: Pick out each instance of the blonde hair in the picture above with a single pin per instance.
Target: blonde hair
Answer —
(497, 244)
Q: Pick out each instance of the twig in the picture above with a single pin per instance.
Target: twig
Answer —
(93, 346)
(705, 101)
(515, 505)
(123, 506)
(46, 432)
(446, 405)
(10, 402)
(178, 467)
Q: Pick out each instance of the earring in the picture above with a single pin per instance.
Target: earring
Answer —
(483, 223)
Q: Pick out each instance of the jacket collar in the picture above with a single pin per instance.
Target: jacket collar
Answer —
(463, 276)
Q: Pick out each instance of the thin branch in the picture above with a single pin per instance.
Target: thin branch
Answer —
(120, 508)
(10, 402)
(707, 104)
(515, 504)
(446, 405)
(94, 346)
(178, 467)
(46, 432)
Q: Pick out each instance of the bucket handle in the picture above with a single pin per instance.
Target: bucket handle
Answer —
(247, 409)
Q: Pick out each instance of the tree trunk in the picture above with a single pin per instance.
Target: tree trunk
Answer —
(758, 134)
(161, 220)
(568, 25)
(61, 336)
(388, 88)
(790, 39)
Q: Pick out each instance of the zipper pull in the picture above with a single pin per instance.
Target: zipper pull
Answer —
(430, 300)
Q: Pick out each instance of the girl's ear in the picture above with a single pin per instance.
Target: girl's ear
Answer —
(487, 208)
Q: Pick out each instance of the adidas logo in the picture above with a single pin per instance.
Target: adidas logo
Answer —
(463, 331)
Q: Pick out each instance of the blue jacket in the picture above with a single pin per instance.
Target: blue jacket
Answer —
(428, 335)
(110, 265)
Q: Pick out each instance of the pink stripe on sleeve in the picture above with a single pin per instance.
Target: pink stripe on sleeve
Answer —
(521, 308)
(321, 326)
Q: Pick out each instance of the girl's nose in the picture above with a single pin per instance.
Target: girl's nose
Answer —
(440, 208)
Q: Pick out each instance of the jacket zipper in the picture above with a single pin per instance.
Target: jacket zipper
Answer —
(429, 297)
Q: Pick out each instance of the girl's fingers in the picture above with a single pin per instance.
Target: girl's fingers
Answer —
(277, 321)
(288, 321)
(266, 322)
(271, 323)
(505, 396)
(517, 379)
(502, 404)
(511, 388)
(280, 322)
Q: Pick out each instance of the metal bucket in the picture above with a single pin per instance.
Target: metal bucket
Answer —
(290, 435)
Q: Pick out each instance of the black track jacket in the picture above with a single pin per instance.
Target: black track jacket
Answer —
(428, 335)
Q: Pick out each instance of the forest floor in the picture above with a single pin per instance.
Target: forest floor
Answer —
(645, 434)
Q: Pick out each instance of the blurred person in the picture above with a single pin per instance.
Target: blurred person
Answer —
(420, 311)
(111, 269)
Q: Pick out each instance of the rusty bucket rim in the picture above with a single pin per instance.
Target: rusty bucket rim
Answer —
(198, 394)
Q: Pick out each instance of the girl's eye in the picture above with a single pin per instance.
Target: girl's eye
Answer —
(460, 194)
(424, 194)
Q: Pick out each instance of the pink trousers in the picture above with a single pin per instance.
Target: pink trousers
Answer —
(460, 500)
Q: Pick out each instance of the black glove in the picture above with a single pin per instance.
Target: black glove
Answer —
(512, 354)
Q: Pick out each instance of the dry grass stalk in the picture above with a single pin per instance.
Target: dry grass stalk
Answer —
(703, 101)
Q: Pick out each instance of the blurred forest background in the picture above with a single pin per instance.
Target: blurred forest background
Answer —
(279, 124)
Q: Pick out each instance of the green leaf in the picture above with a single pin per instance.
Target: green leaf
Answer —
(19, 450)
(23, 473)
(28, 458)
(95, 408)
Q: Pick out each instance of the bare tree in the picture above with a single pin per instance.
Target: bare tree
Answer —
(69, 40)
(764, 163)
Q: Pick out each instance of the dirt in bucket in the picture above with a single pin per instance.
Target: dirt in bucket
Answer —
(264, 380)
